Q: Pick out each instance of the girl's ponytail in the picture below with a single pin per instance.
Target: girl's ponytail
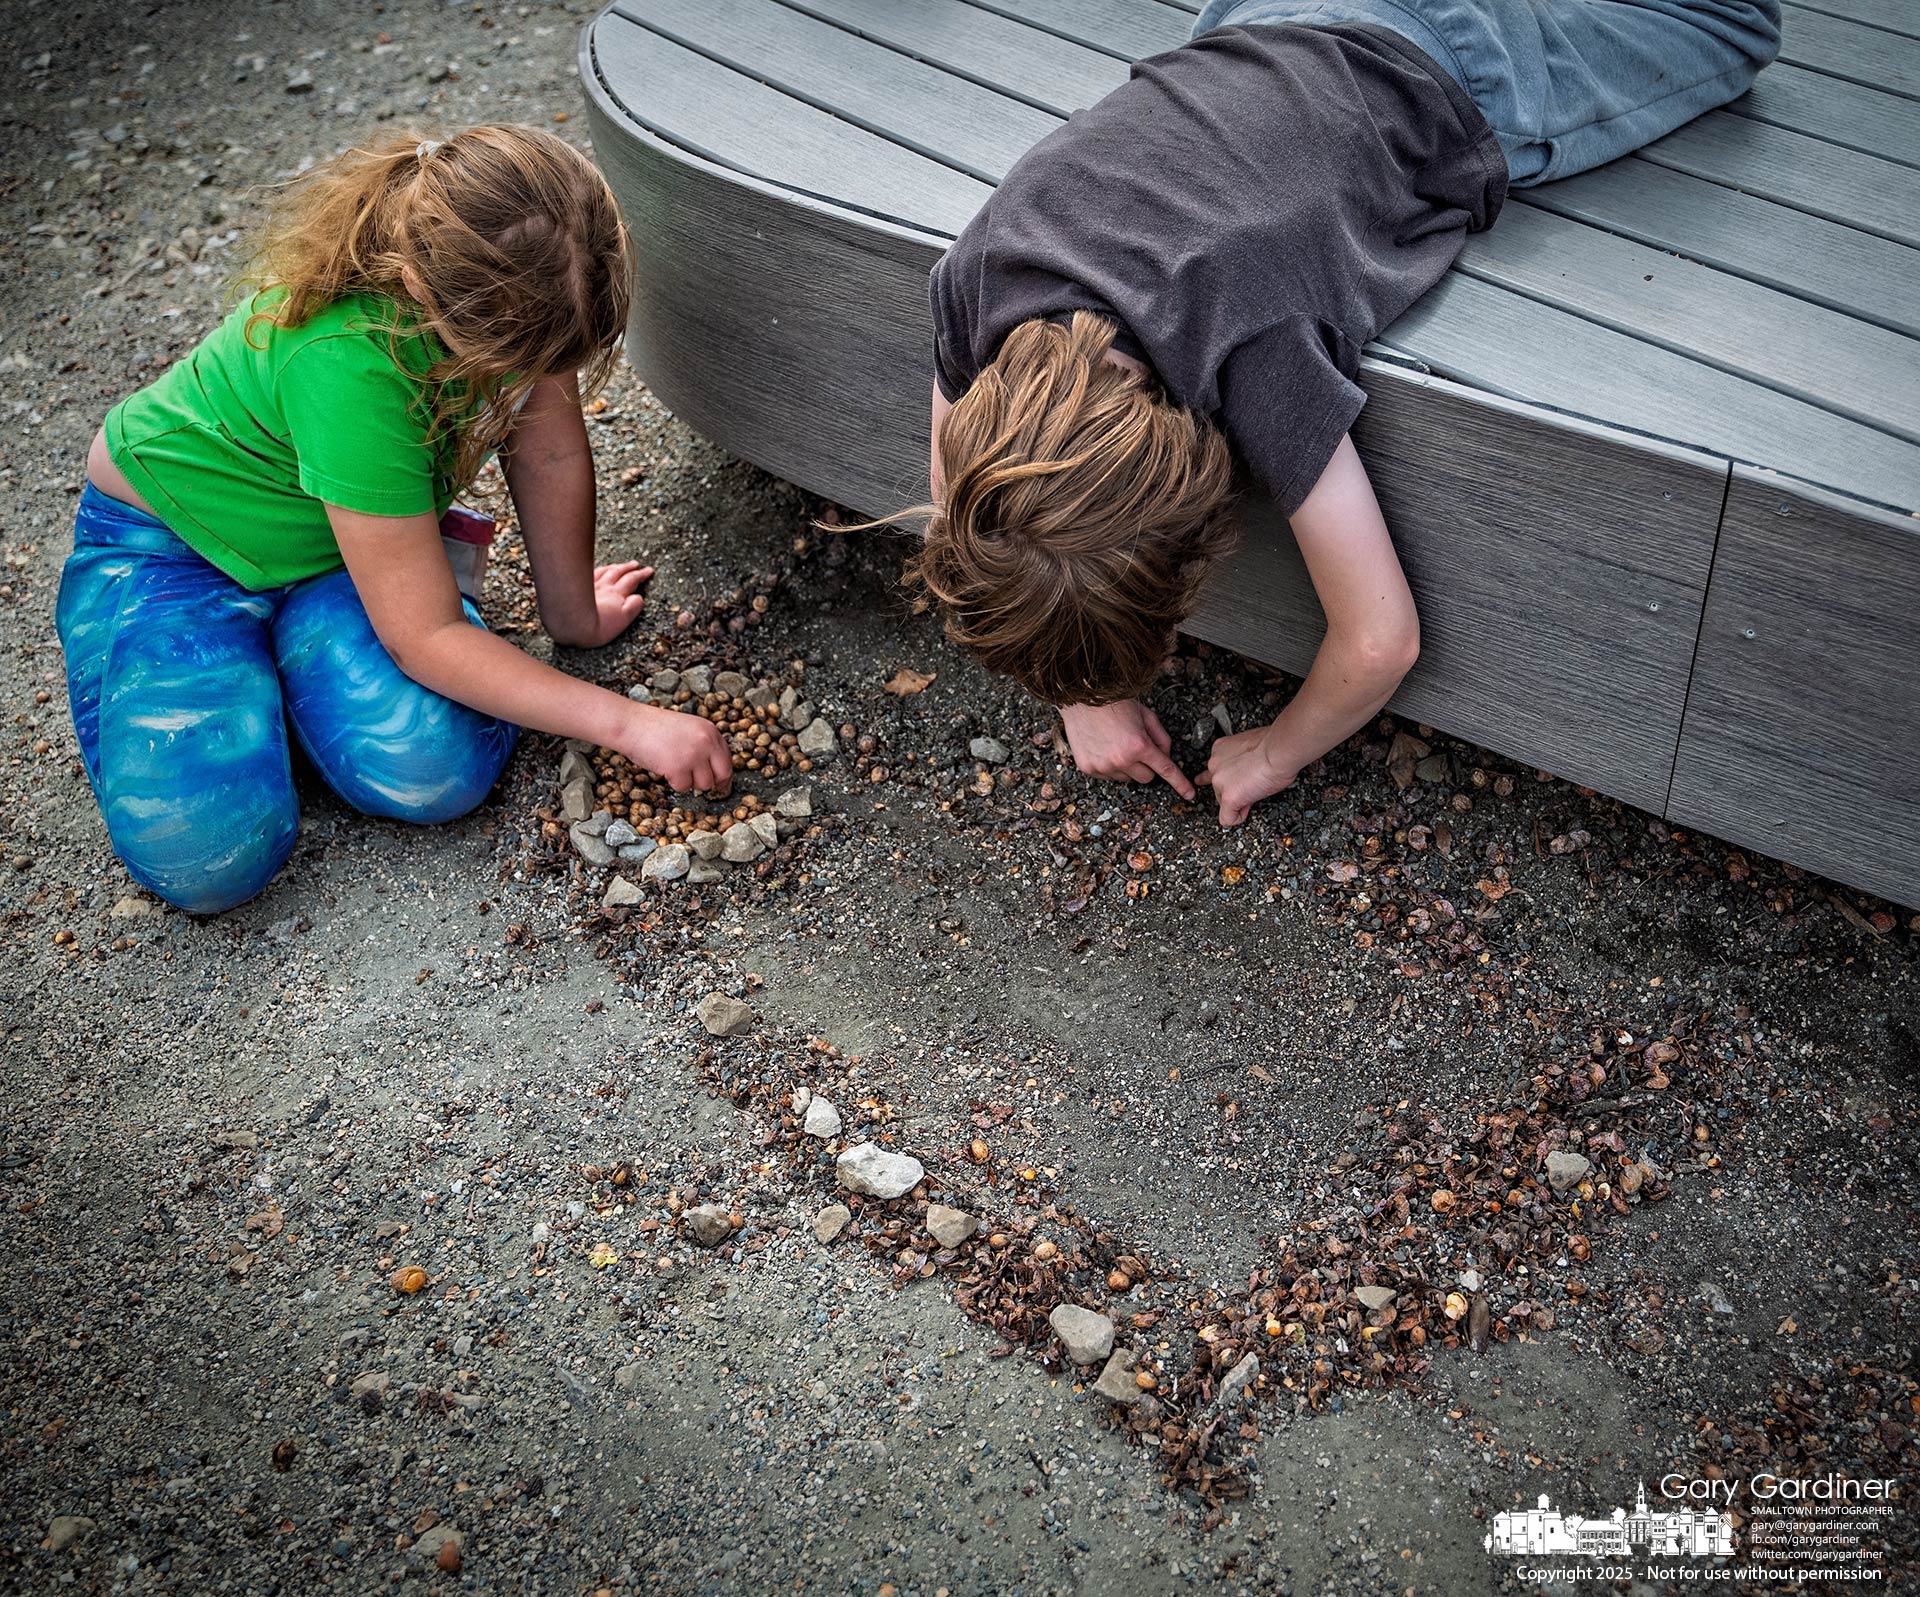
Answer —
(507, 238)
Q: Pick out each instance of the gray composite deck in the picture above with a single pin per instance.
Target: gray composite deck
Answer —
(1650, 451)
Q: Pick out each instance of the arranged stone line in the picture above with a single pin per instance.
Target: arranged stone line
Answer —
(1449, 1228)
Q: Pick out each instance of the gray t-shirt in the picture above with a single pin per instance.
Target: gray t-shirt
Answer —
(1250, 208)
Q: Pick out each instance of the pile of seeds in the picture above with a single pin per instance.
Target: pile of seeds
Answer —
(611, 809)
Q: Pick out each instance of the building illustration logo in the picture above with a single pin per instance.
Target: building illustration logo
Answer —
(1675, 1533)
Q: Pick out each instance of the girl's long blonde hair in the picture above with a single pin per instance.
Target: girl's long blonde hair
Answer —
(517, 258)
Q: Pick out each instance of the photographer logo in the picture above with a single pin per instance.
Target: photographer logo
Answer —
(1662, 1533)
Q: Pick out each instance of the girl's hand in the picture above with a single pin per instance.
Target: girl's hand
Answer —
(1244, 769)
(1122, 742)
(687, 750)
(617, 600)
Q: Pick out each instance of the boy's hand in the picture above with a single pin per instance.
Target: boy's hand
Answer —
(687, 750)
(617, 599)
(1122, 742)
(1243, 769)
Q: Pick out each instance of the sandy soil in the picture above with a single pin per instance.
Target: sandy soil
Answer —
(434, 1049)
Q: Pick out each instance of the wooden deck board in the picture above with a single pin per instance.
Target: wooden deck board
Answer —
(1812, 175)
(1802, 731)
(1859, 119)
(1822, 356)
(1043, 70)
(1898, 16)
(1489, 338)
(1841, 268)
(908, 102)
(728, 117)
(1129, 29)
(1850, 50)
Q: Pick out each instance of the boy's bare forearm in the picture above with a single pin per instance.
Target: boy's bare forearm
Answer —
(1342, 692)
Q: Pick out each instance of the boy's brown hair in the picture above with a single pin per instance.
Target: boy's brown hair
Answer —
(511, 238)
(1081, 511)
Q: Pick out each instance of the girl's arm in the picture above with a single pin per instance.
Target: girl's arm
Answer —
(401, 574)
(549, 469)
(1372, 640)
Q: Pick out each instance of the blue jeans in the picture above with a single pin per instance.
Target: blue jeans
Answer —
(183, 684)
(1565, 84)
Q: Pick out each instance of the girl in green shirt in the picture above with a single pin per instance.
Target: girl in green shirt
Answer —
(259, 547)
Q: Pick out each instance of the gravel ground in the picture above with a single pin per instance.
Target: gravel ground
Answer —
(1349, 1049)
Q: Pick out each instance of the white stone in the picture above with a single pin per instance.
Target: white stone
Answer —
(879, 1173)
(823, 1120)
(1086, 1334)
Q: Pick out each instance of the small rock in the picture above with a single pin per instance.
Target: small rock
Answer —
(1434, 768)
(132, 907)
(1715, 1298)
(640, 694)
(868, 1168)
(598, 822)
(370, 1390)
(697, 679)
(638, 850)
(65, 1530)
(708, 1224)
(300, 81)
(433, 1539)
(831, 1221)
(822, 1121)
(588, 846)
(627, 1377)
(1374, 1298)
(1222, 720)
(576, 799)
(765, 827)
(705, 872)
(731, 683)
(1202, 732)
(819, 737)
(667, 681)
(618, 834)
(573, 766)
(1566, 1170)
(1116, 1383)
(740, 843)
(1239, 1378)
(724, 1016)
(1086, 1334)
(796, 803)
(621, 893)
(704, 843)
(797, 717)
(667, 863)
(992, 750)
(1470, 1281)
(950, 1227)
(762, 697)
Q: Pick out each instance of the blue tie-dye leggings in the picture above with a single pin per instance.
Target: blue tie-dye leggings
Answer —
(183, 685)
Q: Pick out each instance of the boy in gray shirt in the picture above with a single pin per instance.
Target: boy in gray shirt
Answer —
(1185, 274)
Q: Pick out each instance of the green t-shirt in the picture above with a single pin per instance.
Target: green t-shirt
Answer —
(240, 447)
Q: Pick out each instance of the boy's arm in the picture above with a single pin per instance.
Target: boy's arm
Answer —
(1372, 640)
(549, 469)
(934, 475)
